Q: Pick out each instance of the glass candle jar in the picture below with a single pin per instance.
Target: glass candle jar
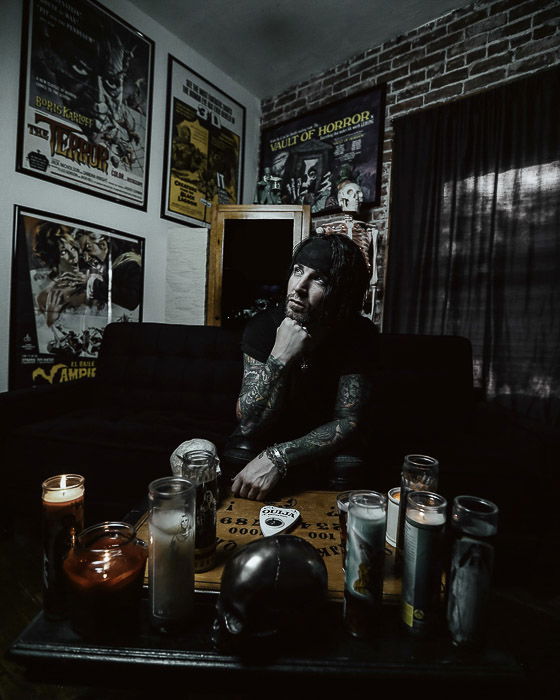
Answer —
(105, 575)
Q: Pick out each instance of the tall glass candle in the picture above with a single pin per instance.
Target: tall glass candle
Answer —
(200, 466)
(474, 523)
(422, 563)
(365, 553)
(171, 552)
(63, 519)
(419, 473)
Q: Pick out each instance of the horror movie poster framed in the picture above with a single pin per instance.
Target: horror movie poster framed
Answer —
(205, 135)
(85, 100)
(70, 278)
(306, 159)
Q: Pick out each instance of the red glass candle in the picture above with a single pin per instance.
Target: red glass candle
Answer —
(105, 575)
(63, 519)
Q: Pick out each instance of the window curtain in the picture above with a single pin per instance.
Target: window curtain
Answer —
(474, 244)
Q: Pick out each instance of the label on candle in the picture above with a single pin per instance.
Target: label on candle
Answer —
(421, 579)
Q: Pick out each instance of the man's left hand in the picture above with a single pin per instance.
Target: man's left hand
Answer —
(256, 479)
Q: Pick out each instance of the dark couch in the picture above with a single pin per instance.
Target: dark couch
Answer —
(158, 385)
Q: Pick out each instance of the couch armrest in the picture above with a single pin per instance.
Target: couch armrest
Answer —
(22, 406)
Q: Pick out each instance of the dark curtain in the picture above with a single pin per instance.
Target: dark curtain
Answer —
(474, 245)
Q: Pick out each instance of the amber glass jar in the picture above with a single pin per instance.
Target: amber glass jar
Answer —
(105, 575)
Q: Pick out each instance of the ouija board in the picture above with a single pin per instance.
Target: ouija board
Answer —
(238, 524)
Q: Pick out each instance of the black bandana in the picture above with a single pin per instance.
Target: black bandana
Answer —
(316, 254)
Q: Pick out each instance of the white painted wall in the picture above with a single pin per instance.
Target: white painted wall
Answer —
(16, 188)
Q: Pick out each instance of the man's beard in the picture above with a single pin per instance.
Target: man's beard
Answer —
(304, 318)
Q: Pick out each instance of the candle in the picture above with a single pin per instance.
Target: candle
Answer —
(422, 565)
(363, 584)
(171, 561)
(63, 519)
(419, 473)
(105, 574)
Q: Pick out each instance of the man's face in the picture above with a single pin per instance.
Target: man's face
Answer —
(94, 250)
(306, 291)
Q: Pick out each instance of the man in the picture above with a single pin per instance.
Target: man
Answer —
(305, 382)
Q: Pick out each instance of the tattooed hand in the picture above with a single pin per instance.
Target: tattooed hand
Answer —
(291, 340)
(256, 479)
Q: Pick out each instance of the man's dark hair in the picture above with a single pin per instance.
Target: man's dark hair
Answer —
(348, 278)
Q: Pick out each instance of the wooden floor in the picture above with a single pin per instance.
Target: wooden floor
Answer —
(531, 630)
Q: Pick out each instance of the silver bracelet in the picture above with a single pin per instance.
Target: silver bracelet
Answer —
(278, 459)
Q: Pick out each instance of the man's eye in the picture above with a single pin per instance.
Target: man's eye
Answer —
(321, 281)
(297, 270)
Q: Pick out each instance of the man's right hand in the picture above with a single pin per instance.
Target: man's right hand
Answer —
(291, 340)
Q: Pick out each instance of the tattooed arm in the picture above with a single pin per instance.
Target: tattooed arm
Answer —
(263, 384)
(260, 475)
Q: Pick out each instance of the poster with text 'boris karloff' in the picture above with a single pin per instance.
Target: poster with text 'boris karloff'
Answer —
(305, 160)
(70, 279)
(204, 147)
(85, 100)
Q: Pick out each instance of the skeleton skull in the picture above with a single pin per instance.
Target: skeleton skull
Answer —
(272, 592)
(350, 196)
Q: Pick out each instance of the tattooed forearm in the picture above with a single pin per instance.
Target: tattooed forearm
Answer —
(353, 395)
(261, 393)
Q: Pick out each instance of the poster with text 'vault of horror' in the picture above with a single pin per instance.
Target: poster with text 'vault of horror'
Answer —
(204, 144)
(70, 279)
(85, 100)
(306, 160)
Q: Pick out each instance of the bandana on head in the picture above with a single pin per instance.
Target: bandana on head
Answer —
(316, 254)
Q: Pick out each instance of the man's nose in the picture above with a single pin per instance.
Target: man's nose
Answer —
(302, 284)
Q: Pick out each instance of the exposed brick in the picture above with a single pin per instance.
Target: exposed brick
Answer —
(497, 7)
(448, 78)
(406, 58)
(467, 20)
(540, 60)
(544, 30)
(413, 91)
(407, 106)
(523, 25)
(443, 93)
(488, 64)
(476, 55)
(396, 50)
(550, 15)
(497, 47)
(366, 64)
(530, 7)
(410, 79)
(485, 26)
(428, 60)
(448, 40)
(464, 46)
(452, 65)
(393, 74)
(532, 47)
(484, 80)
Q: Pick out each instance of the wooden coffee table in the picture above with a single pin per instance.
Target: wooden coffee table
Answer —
(329, 660)
(238, 524)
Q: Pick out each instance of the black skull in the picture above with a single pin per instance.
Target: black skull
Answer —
(272, 592)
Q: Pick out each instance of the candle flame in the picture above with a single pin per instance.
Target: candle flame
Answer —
(63, 481)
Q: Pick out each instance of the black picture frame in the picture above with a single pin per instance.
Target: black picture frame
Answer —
(304, 159)
(85, 100)
(70, 278)
(204, 147)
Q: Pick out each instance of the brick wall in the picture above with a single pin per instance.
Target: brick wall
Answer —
(479, 46)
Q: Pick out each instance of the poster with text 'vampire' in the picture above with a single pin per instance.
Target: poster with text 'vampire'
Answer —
(306, 160)
(204, 147)
(70, 278)
(85, 100)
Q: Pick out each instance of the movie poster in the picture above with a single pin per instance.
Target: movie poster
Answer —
(305, 160)
(85, 100)
(204, 147)
(70, 279)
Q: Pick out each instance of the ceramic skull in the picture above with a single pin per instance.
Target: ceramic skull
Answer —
(272, 590)
(350, 196)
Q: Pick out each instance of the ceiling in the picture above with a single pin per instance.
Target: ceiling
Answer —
(269, 45)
